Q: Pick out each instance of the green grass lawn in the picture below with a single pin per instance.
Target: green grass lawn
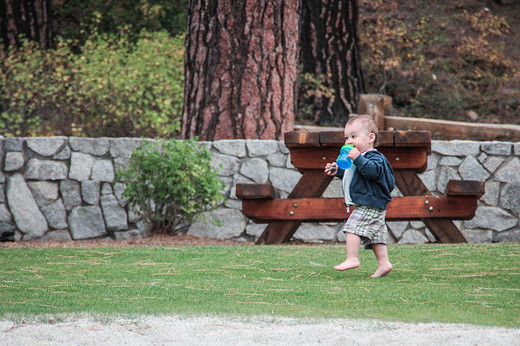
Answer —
(468, 283)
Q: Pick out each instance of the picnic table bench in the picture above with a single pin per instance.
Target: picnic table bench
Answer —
(407, 152)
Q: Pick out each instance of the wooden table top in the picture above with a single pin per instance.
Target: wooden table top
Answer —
(403, 149)
(300, 139)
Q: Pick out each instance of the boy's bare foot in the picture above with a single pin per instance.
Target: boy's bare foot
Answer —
(382, 270)
(348, 264)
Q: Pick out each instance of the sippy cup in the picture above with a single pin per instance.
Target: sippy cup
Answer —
(343, 161)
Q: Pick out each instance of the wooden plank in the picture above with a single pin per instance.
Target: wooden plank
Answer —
(413, 139)
(337, 138)
(406, 157)
(333, 209)
(305, 158)
(443, 129)
(465, 188)
(385, 139)
(432, 207)
(399, 158)
(255, 191)
(444, 230)
(301, 209)
(294, 139)
(311, 184)
(332, 138)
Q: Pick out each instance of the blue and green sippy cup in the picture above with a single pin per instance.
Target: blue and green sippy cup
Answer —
(343, 161)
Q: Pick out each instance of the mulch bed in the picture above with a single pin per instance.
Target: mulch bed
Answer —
(154, 240)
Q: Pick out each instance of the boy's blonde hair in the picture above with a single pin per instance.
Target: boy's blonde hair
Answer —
(367, 122)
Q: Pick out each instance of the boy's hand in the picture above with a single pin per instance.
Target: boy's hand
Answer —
(331, 168)
(354, 153)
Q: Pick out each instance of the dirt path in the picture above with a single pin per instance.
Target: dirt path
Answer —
(205, 330)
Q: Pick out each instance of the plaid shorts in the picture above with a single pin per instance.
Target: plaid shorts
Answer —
(369, 224)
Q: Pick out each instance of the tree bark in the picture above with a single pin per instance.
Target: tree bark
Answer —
(330, 47)
(31, 19)
(240, 69)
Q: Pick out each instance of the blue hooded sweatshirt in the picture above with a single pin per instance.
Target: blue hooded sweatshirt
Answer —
(373, 180)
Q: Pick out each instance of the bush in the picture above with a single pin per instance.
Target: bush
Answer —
(36, 90)
(113, 88)
(131, 91)
(169, 182)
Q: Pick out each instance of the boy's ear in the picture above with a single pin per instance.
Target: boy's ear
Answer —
(371, 137)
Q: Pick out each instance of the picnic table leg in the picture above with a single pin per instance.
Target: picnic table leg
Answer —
(312, 184)
(409, 183)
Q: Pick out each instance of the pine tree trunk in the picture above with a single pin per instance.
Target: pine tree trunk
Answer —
(330, 47)
(31, 19)
(240, 69)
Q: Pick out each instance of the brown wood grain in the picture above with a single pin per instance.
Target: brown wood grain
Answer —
(332, 138)
(255, 191)
(465, 188)
(399, 158)
(386, 138)
(333, 209)
(443, 129)
(302, 138)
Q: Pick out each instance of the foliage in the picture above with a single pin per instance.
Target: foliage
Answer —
(457, 283)
(113, 88)
(79, 19)
(137, 89)
(446, 60)
(311, 87)
(34, 85)
(169, 182)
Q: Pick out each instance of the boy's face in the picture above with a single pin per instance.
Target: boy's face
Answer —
(357, 135)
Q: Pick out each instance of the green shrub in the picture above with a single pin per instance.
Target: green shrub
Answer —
(35, 87)
(131, 90)
(112, 88)
(169, 182)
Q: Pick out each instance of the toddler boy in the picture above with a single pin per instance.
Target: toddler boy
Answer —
(367, 185)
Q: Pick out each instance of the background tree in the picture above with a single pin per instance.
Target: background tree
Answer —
(31, 19)
(330, 59)
(240, 69)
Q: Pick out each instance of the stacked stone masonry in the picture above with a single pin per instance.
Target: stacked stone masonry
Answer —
(62, 188)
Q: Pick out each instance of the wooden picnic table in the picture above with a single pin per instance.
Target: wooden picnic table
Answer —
(407, 152)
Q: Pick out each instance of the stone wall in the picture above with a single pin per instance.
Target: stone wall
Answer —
(62, 188)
